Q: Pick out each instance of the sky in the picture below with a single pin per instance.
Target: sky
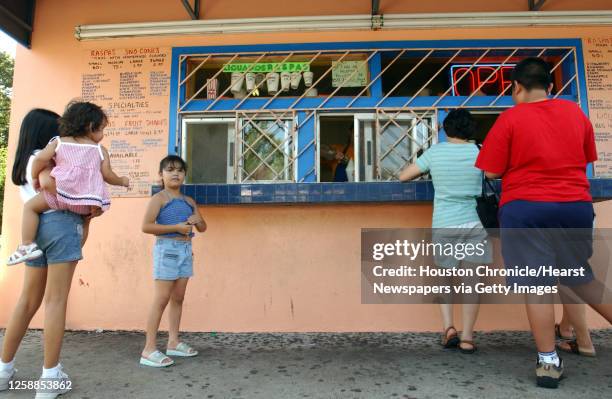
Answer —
(7, 44)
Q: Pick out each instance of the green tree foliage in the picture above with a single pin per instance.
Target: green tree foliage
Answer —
(7, 65)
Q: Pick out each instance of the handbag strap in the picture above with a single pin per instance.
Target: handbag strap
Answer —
(486, 182)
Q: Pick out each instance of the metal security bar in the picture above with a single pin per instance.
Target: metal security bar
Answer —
(266, 143)
(402, 141)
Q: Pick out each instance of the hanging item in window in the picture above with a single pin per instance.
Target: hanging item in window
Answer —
(212, 88)
(272, 82)
(237, 80)
(296, 77)
(349, 74)
(308, 78)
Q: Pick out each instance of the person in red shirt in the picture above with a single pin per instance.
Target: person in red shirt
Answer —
(541, 148)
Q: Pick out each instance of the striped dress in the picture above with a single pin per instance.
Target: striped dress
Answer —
(457, 182)
(78, 178)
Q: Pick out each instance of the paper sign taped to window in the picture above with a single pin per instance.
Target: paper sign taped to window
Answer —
(349, 73)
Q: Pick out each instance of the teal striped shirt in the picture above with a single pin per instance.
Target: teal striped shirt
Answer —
(457, 182)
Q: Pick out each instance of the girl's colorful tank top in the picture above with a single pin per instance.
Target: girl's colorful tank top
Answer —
(175, 211)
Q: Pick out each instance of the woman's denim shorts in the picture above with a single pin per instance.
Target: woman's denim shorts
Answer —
(172, 259)
(59, 236)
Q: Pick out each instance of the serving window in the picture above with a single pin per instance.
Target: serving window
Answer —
(372, 146)
(294, 113)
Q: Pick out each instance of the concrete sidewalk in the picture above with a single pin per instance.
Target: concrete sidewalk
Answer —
(271, 366)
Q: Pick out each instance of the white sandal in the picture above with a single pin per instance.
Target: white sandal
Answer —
(24, 252)
(182, 350)
(156, 359)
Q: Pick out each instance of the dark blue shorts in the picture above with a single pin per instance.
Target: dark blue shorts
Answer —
(557, 234)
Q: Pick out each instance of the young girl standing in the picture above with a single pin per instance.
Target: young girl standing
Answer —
(171, 217)
(82, 166)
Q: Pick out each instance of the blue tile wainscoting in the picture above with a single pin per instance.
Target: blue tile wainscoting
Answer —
(324, 193)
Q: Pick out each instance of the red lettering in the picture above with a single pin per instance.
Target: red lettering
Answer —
(457, 76)
(486, 75)
(494, 77)
(505, 80)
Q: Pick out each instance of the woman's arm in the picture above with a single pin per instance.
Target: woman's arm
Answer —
(150, 227)
(411, 172)
(109, 175)
(196, 219)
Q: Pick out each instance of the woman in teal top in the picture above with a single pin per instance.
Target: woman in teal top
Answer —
(457, 183)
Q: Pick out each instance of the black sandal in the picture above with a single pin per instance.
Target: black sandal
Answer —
(467, 351)
(451, 341)
(562, 337)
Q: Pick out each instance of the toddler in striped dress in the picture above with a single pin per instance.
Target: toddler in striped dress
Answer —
(82, 166)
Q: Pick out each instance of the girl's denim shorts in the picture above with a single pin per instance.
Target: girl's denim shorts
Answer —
(172, 259)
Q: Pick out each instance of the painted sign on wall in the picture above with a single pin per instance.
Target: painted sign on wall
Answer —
(132, 86)
(598, 60)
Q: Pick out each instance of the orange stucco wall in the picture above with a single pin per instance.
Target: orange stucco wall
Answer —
(258, 268)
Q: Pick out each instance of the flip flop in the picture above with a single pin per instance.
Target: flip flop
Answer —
(156, 359)
(182, 350)
(575, 349)
(450, 341)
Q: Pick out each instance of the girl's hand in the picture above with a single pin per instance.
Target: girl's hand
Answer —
(36, 184)
(184, 228)
(125, 181)
(194, 219)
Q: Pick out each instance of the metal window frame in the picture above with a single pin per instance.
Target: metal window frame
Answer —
(290, 141)
(231, 137)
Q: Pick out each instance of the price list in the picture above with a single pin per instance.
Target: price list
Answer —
(132, 86)
(598, 59)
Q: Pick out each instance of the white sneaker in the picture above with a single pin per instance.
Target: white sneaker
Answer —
(51, 388)
(5, 378)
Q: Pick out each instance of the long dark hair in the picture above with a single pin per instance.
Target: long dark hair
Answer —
(37, 128)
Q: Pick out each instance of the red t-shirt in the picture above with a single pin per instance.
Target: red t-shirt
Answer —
(541, 149)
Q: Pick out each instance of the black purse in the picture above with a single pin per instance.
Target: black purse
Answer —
(487, 204)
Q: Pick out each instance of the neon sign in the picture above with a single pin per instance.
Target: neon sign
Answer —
(476, 75)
